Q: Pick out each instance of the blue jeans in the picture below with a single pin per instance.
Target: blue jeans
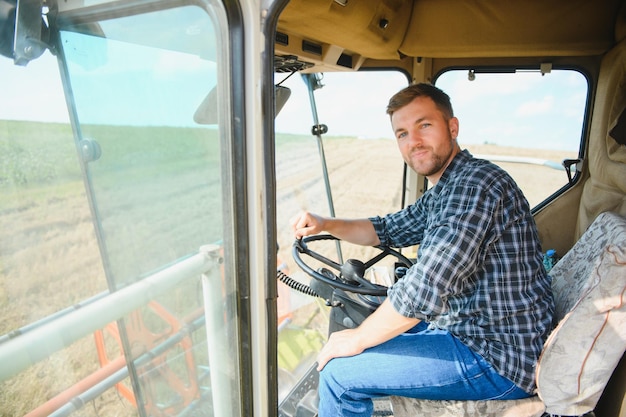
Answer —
(426, 364)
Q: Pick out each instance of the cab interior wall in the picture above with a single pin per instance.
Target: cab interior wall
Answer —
(605, 189)
(393, 29)
(494, 28)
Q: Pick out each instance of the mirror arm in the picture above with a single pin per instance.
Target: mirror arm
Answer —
(29, 30)
(567, 164)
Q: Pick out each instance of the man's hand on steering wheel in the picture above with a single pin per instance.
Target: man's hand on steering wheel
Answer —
(306, 224)
(349, 276)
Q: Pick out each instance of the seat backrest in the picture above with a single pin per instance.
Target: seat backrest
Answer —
(589, 286)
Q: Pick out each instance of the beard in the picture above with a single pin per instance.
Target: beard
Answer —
(436, 161)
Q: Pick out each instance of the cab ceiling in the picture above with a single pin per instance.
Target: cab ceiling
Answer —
(391, 29)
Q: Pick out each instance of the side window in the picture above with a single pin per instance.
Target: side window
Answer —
(525, 121)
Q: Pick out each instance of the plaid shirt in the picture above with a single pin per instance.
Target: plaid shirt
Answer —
(479, 272)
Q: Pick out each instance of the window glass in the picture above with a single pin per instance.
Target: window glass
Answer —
(525, 121)
(363, 163)
(140, 237)
(137, 109)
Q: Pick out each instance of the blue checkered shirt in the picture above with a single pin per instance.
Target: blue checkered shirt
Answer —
(479, 272)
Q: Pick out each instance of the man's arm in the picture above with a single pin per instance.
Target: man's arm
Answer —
(358, 231)
(384, 324)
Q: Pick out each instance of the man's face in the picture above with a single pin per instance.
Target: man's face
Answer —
(426, 140)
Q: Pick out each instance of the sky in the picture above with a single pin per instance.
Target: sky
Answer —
(541, 111)
(32, 92)
(524, 108)
(350, 104)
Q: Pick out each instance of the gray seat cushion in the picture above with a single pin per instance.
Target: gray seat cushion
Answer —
(589, 285)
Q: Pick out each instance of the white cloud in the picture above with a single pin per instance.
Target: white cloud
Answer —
(573, 106)
(536, 107)
(172, 64)
(485, 85)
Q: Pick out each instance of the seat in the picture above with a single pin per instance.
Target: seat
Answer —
(589, 286)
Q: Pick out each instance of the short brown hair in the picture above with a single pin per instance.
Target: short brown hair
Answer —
(410, 93)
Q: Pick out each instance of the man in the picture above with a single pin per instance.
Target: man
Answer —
(469, 319)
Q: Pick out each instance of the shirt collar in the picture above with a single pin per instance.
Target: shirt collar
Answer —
(459, 160)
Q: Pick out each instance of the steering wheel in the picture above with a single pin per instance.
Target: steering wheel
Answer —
(349, 276)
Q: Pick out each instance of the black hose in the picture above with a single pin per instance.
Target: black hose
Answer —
(293, 284)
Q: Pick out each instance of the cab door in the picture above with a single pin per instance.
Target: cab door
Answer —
(150, 90)
(156, 94)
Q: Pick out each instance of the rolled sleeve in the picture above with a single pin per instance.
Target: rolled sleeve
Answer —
(445, 265)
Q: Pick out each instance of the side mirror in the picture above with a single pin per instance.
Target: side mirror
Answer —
(206, 114)
(23, 32)
(282, 94)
